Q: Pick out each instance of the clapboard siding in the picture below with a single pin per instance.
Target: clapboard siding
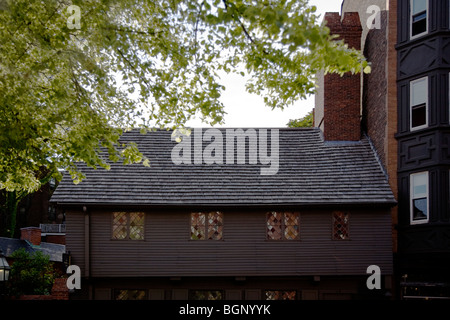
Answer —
(75, 237)
(244, 250)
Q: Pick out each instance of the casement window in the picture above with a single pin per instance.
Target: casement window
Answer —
(127, 294)
(283, 225)
(419, 197)
(280, 295)
(419, 103)
(207, 225)
(128, 226)
(340, 225)
(419, 18)
(206, 295)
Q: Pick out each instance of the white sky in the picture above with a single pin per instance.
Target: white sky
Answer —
(248, 110)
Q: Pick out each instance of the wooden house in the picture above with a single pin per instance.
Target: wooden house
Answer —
(225, 231)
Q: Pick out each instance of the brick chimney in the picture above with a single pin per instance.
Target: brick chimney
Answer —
(32, 234)
(340, 102)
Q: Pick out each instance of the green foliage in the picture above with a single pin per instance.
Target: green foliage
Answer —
(65, 93)
(30, 273)
(305, 122)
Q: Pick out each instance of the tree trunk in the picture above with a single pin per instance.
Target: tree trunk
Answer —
(11, 209)
(13, 199)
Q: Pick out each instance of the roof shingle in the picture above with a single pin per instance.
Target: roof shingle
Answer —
(311, 172)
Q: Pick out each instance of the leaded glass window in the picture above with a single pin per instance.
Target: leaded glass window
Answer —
(283, 226)
(281, 294)
(206, 295)
(207, 226)
(198, 223)
(128, 225)
(136, 226)
(291, 226)
(340, 225)
(126, 294)
(274, 226)
(120, 225)
(215, 225)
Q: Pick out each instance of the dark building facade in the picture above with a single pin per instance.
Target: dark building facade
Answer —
(224, 231)
(423, 136)
(405, 112)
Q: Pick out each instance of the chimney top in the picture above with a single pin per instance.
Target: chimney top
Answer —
(349, 21)
(347, 27)
(31, 234)
(339, 102)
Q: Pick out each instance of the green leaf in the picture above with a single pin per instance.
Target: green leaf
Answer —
(64, 93)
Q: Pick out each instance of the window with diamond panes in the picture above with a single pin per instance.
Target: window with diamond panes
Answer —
(291, 226)
(120, 222)
(340, 225)
(207, 226)
(215, 225)
(283, 226)
(206, 295)
(128, 226)
(125, 294)
(281, 294)
(198, 223)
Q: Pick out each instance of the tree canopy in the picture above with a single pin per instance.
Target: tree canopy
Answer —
(75, 74)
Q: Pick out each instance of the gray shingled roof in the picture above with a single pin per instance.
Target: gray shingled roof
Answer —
(311, 172)
(52, 250)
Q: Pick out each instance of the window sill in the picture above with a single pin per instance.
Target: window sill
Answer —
(422, 131)
(283, 240)
(126, 240)
(206, 240)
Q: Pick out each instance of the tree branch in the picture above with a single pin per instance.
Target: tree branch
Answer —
(148, 33)
(247, 34)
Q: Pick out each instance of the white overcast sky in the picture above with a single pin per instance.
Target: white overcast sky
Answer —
(248, 110)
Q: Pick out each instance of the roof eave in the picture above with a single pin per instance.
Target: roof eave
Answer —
(330, 204)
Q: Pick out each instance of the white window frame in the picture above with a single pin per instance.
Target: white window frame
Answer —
(411, 85)
(411, 198)
(411, 20)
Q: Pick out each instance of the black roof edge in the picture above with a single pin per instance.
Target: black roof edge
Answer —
(335, 205)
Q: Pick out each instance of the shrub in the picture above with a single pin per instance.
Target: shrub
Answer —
(30, 273)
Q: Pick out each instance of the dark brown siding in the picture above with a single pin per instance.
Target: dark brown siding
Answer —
(75, 238)
(244, 250)
(251, 288)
